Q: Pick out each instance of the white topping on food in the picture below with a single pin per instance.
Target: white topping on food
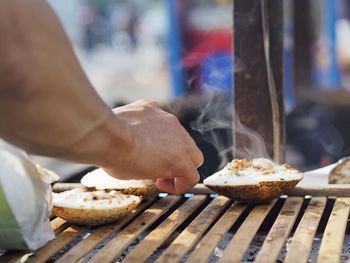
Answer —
(244, 172)
(80, 198)
(100, 180)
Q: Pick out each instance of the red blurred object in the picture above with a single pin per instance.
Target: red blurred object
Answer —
(200, 44)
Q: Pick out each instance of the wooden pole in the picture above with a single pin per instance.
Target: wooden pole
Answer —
(302, 44)
(258, 81)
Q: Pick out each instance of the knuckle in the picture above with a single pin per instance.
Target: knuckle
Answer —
(200, 157)
(191, 182)
(165, 172)
(140, 102)
(178, 158)
(172, 118)
(151, 103)
(195, 178)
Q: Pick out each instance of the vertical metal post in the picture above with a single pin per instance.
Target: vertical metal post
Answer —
(258, 82)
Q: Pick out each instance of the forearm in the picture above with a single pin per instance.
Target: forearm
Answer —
(47, 105)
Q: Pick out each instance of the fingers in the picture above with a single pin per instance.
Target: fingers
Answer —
(150, 103)
(163, 145)
(173, 186)
(193, 151)
(183, 179)
(166, 185)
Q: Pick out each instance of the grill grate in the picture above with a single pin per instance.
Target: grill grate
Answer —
(206, 228)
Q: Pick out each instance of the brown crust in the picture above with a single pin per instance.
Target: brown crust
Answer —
(337, 176)
(92, 217)
(146, 192)
(255, 193)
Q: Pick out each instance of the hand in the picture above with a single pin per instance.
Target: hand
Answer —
(161, 150)
(48, 107)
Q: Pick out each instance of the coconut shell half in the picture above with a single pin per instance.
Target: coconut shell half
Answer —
(341, 172)
(82, 207)
(100, 180)
(255, 193)
(253, 181)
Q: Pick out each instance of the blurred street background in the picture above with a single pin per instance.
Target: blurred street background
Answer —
(179, 53)
(121, 46)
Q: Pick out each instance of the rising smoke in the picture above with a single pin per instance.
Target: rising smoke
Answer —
(217, 126)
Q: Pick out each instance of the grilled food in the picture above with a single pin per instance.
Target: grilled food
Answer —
(341, 172)
(83, 207)
(100, 180)
(254, 181)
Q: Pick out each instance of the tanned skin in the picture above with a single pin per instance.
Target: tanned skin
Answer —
(48, 107)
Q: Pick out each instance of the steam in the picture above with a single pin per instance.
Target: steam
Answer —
(238, 65)
(331, 140)
(249, 16)
(215, 123)
(253, 146)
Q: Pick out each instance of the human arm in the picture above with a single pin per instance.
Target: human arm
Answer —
(48, 107)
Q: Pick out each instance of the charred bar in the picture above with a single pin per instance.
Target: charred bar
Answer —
(258, 82)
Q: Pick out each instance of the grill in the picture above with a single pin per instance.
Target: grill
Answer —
(202, 227)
